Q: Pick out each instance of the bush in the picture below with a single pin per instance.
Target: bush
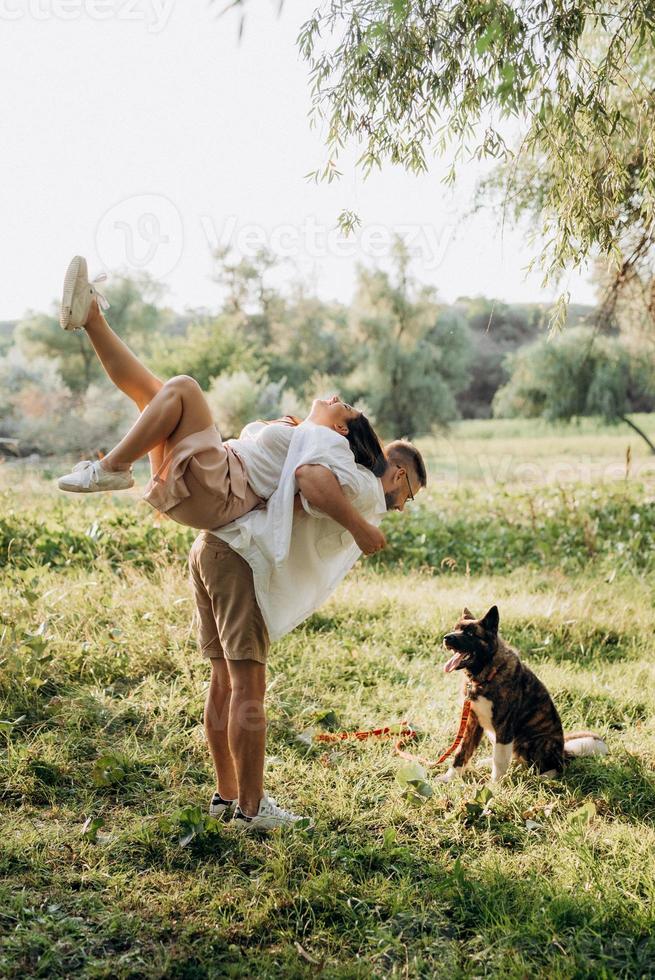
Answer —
(579, 373)
(40, 412)
(238, 398)
(614, 529)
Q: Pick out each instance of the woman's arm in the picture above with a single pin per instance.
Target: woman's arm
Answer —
(322, 490)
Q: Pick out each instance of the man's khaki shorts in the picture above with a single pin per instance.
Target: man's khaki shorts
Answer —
(230, 622)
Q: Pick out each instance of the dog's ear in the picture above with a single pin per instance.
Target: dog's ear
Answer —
(467, 614)
(491, 620)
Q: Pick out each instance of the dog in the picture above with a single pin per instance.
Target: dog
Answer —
(509, 703)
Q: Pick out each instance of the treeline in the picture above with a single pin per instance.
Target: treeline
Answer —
(412, 362)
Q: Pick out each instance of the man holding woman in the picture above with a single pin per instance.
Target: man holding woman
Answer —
(285, 512)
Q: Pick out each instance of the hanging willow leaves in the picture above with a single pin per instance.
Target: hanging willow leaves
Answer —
(404, 79)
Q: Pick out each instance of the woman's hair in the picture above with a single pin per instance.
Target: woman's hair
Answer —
(362, 439)
(366, 447)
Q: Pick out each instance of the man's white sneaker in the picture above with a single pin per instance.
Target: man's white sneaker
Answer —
(89, 477)
(220, 808)
(77, 295)
(268, 817)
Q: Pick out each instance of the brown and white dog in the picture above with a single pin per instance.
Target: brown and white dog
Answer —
(509, 703)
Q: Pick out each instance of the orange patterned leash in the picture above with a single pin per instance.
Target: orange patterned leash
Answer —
(432, 764)
(405, 734)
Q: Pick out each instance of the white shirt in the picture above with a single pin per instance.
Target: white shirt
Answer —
(263, 449)
(297, 564)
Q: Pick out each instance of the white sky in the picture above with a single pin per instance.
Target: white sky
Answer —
(139, 132)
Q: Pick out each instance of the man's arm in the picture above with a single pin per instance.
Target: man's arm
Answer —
(322, 490)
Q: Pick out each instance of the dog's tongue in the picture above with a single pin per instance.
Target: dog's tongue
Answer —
(453, 663)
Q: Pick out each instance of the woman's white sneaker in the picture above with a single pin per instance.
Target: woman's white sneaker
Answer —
(78, 293)
(91, 477)
(268, 817)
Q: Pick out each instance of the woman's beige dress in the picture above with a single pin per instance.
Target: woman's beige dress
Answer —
(202, 483)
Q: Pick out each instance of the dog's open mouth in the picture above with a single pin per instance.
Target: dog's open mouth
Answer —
(454, 661)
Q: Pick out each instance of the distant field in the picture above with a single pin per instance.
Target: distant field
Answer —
(101, 693)
(532, 452)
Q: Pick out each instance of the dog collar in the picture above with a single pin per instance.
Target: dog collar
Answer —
(474, 683)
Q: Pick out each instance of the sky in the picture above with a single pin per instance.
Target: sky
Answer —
(142, 134)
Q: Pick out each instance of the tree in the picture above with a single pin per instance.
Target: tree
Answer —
(404, 78)
(256, 306)
(604, 209)
(315, 340)
(209, 348)
(576, 374)
(7, 328)
(498, 329)
(411, 353)
(631, 311)
(295, 334)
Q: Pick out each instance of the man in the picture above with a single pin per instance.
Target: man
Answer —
(257, 578)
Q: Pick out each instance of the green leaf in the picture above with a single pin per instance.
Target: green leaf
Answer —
(7, 726)
(327, 719)
(583, 815)
(108, 770)
(411, 772)
(422, 787)
(483, 796)
(483, 42)
(91, 827)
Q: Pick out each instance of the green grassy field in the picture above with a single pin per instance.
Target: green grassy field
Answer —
(109, 866)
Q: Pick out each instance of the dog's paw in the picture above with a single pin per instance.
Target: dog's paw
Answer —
(447, 777)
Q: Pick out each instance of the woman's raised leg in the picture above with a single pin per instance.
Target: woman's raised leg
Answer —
(125, 369)
(177, 410)
(122, 366)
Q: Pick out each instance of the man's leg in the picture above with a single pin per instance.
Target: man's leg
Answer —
(217, 714)
(247, 730)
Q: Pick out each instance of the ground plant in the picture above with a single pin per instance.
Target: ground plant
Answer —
(109, 863)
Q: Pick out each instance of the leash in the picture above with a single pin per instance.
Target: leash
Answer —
(409, 735)
(404, 735)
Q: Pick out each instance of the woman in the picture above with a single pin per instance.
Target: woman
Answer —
(196, 479)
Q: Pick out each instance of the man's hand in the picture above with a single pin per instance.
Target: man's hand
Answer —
(369, 538)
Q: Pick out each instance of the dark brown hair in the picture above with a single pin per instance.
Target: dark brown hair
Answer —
(362, 439)
(366, 447)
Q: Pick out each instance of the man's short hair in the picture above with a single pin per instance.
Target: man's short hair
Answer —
(404, 454)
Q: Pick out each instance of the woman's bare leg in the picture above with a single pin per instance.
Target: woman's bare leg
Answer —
(177, 410)
(125, 369)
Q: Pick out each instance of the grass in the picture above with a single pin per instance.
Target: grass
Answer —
(511, 452)
(109, 866)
